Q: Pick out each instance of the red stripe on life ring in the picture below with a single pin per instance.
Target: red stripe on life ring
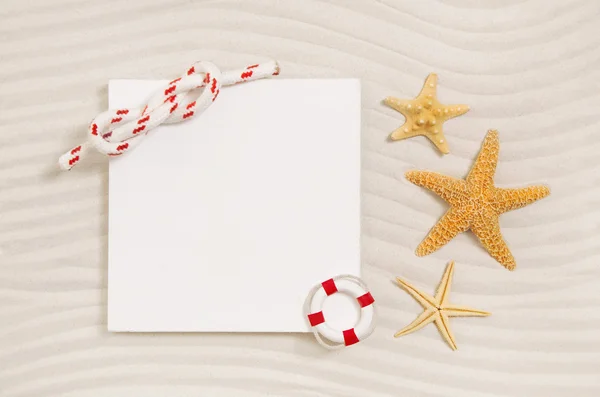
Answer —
(316, 318)
(350, 337)
(329, 287)
(365, 300)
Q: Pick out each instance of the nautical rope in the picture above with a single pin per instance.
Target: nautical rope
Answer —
(114, 132)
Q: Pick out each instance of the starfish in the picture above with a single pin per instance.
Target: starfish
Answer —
(437, 308)
(425, 115)
(475, 203)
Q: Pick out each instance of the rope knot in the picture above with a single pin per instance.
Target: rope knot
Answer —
(115, 132)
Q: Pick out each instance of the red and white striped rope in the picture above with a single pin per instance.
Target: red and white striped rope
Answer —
(114, 132)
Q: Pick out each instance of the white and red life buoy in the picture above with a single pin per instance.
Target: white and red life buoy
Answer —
(352, 286)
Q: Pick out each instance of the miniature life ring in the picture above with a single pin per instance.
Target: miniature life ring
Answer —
(313, 307)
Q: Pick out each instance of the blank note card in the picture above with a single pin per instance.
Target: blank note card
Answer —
(224, 222)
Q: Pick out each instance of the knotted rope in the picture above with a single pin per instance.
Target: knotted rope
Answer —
(114, 132)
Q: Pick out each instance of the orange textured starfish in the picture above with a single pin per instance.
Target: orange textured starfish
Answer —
(475, 203)
(425, 115)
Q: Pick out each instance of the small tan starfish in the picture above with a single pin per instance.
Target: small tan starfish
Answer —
(475, 204)
(437, 308)
(425, 115)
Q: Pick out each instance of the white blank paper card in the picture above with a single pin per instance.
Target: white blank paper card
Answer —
(224, 222)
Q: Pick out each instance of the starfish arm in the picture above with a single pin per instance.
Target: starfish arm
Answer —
(452, 223)
(424, 318)
(511, 199)
(462, 311)
(452, 190)
(403, 106)
(438, 139)
(487, 229)
(430, 87)
(441, 295)
(448, 112)
(405, 131)
(424, 299)
(482, 173)
(443, 325)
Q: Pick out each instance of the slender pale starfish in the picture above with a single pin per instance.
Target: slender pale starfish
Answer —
(437, 308)
(425, 115)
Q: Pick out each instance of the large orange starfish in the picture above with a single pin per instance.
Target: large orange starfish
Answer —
(425, 115)
(475, 203)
